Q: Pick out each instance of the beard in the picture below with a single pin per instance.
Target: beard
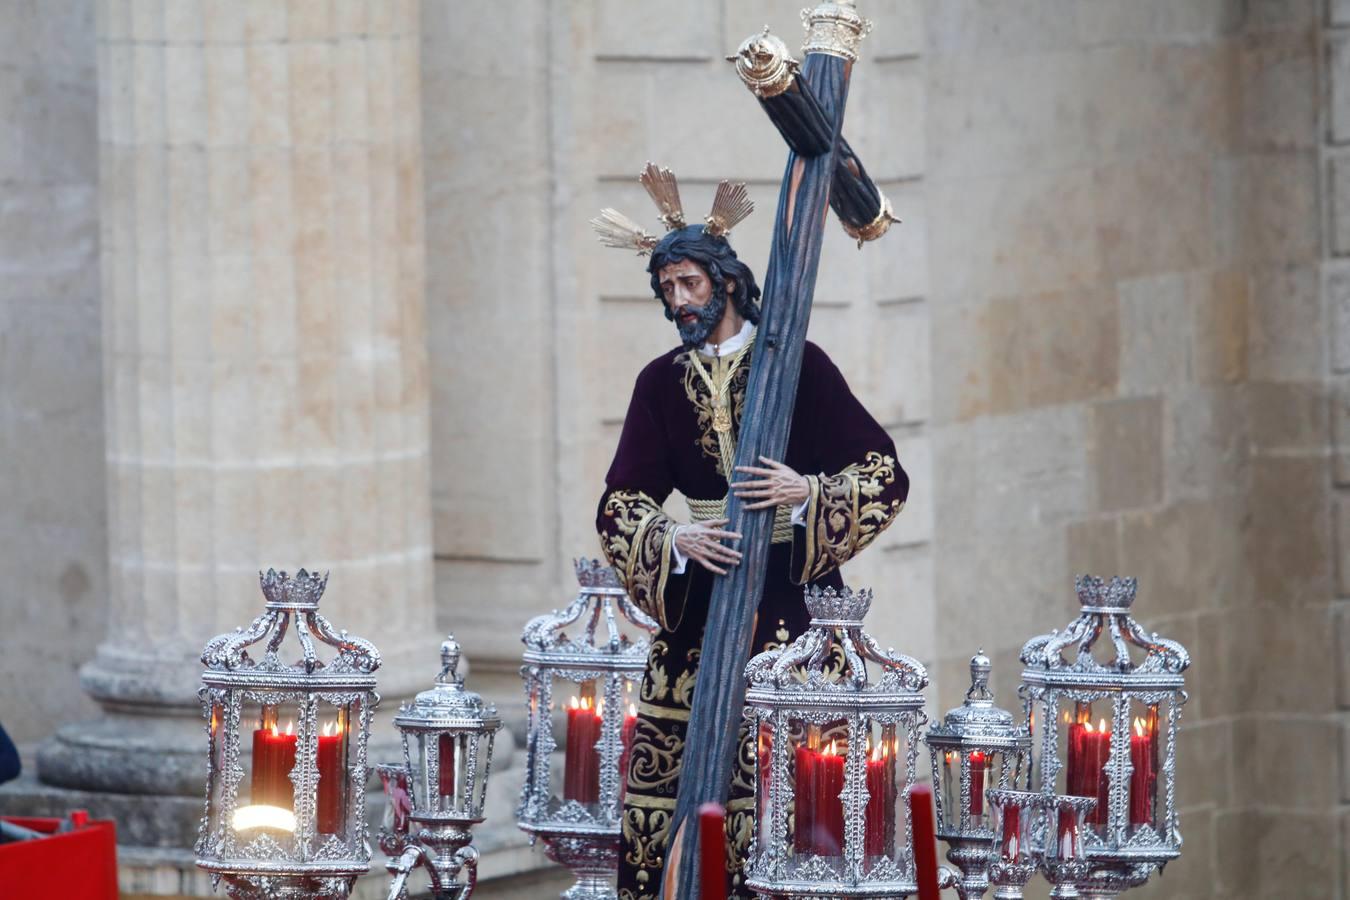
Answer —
(694, 332)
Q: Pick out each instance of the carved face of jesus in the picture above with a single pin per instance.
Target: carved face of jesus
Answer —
(693, 301)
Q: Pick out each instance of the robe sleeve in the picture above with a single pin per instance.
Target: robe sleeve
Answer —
(635, 535)
(860, 486)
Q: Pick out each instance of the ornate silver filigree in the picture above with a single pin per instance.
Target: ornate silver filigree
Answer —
(446, 717)
(822, 682)
(281, 860)
(599, 640)
(1118, 850)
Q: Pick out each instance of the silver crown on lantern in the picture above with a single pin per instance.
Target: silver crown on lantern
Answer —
(1106, 611)
(836, 619)
(301, 592)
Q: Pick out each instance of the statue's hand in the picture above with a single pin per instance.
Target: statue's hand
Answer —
(775, 485)
(702, 542)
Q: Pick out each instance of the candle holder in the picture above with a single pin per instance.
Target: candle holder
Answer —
(977, 746)
(579, 824)
(1063, 859)
(447, 754)
(1108, 730)
(286, 763)
(829, 787)
(394, 829)
(1013, 856)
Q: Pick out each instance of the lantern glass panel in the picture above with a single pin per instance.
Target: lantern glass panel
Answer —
(267, 793)
(985, 773)
(763, 781)
(885, 774)
(394, 781)
(1085, 748)
(1012, 826)
(819, 752)
(216, 787)
(1144, 763)
(333, 766)
(581, 765)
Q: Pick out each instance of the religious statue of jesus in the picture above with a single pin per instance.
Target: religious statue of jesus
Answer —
(837, 488)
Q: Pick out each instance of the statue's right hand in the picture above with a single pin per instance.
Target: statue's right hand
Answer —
(702, 541)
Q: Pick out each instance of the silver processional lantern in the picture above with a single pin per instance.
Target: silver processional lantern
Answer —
(1108, 730)
(976, 747)
(438, 796)
(581, 668)
(836, 755)
(287, 733)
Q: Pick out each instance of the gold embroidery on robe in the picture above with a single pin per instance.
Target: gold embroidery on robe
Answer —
(844, 513)
(639, 548)
(697, 391)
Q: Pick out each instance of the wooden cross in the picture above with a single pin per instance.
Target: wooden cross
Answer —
(808, 109)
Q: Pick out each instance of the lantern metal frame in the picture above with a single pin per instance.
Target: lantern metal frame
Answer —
(976, 726)
(265, 866)
(440, 835)
(1008, 877)
(583, 643)
(1064, 871)
(1117, 858)
(791, 684)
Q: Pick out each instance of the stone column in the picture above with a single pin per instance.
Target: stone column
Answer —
(265, 360)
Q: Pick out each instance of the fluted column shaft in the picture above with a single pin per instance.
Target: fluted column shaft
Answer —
(264, 344)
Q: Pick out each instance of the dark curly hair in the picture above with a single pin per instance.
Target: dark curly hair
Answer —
(715, 256)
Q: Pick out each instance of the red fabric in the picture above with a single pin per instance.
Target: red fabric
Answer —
(77, 865)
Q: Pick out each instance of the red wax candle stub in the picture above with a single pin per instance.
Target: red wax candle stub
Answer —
(1012, 840)
(273, 759)
(445, 776)
(1143, 778)
(925, 841)
(1089, 750)
(828, 826)
(581, 776)
(979, 767)
(629, 732)
(332, 763)
(712, 855)
(803, 790)
(881, 802)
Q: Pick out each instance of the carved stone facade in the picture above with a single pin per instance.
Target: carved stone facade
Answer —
(1111, 334)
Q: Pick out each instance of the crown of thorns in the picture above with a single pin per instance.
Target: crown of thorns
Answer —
(731, 205)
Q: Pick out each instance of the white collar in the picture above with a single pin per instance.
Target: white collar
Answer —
(731, 344)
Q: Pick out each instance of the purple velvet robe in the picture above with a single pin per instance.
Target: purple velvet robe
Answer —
(670, 442)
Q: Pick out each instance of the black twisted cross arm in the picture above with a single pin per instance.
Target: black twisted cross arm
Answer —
(789, 283)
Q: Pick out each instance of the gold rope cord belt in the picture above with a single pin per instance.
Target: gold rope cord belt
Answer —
(703, 510)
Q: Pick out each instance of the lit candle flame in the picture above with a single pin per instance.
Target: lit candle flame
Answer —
(1139, 728)
(1102, 726)
(263, 816)
(632, 710)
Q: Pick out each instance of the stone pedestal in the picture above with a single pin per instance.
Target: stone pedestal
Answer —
(265, 360)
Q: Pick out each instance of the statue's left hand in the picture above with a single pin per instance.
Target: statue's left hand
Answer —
(774, 485)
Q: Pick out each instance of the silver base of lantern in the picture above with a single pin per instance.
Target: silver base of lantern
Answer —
(444, 850)
(287, 887)
(972, 856)
(593, 859)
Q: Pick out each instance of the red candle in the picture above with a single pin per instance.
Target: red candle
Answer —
(803, 800)
(1089, 750)
(581, 773)
(1143, 757)
(978, 764)
(1068, 834)
(712, 857)
(629, 731)
(445, 772)
(925, 841)
(332, 760)
(1012, 827)
(273, 759)
(828, 830)
(881, 797)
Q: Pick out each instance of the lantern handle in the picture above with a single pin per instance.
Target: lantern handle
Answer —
(358, 653)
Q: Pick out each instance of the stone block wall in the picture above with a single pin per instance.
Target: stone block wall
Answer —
(1130, 377)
